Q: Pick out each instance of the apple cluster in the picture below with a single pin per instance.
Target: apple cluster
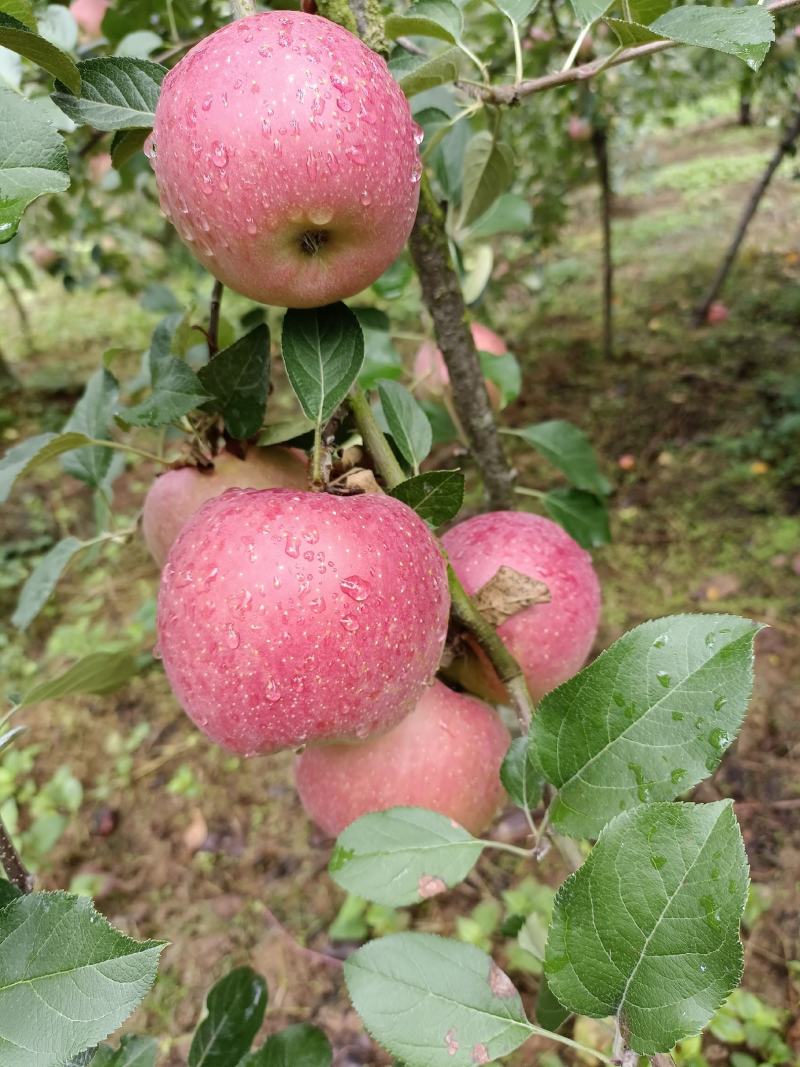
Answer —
(287, 158)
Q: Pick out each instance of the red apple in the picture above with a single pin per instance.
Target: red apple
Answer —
(288, 617)
(286, 155)
(98, 166)
(717, 313)
(445, 756)
(579, 128)
(430, 369)
(43, 255)
(550, 641)
(177, 495)
(89, 15)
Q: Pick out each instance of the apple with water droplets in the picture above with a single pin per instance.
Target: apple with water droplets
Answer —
(175, 496)
(433, 377)
(291, 617)
(445, 756)
(550, 641)
(287, 158)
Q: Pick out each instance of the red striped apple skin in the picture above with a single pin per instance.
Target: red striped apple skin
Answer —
(286, 157)
(444, 756)
(288, 617)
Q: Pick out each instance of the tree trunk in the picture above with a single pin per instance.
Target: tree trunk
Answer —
(600, 146)
(784, 148)
(745, 111)
(441, 292)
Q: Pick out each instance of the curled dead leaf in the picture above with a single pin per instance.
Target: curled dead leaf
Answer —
(507, 593)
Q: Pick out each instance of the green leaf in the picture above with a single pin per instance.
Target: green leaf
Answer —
(235, 1009)
(521, 774)
(509, 213)
(323, 349)
(648, 928)
(42, 581)
(126, 144)
(647, 720)
(21, 10)
(435, 1003)
(279, 432)
(117, 93)
(33, 159)
(133, 1051)
(504, 371)
(488, 171)
(583, 516)
(176, 391)
(550, 1012)
(402, 856)
(98, 673)
(296, 1046)
(588, 11)
(58, 26)
(92, 415)
(436, 496)
(568, 448)
(22, 40)
(67, 978)
(139, 45)
(237, 378)
(32, 453)
(8, 892)
(516, 10)
(427, 18)
(415, 74)
(408, 423)
(745, 32)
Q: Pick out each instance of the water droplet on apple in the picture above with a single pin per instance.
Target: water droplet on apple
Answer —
(349, 623)
(356, 154)
(271, 691)
(251, 227)
(232, 638)
(157, 651)
(219, 155)
(366, 198)
(320, 216)
(419, 134)
(207, 102)
(344, 104)
(355, 587)
(416, 172)
(311, 165)
(292, 546)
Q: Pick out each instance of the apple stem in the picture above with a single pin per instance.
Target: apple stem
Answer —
(463, 607)
(374, 440)
(508, 670)
(16, 871)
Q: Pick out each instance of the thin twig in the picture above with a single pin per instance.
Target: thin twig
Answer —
(213, 318)
(309, 953)
(16, 871)
(513, 94)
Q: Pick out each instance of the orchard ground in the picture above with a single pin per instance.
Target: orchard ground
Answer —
(184, 842)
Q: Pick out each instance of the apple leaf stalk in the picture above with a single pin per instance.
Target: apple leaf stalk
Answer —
(463, 607)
